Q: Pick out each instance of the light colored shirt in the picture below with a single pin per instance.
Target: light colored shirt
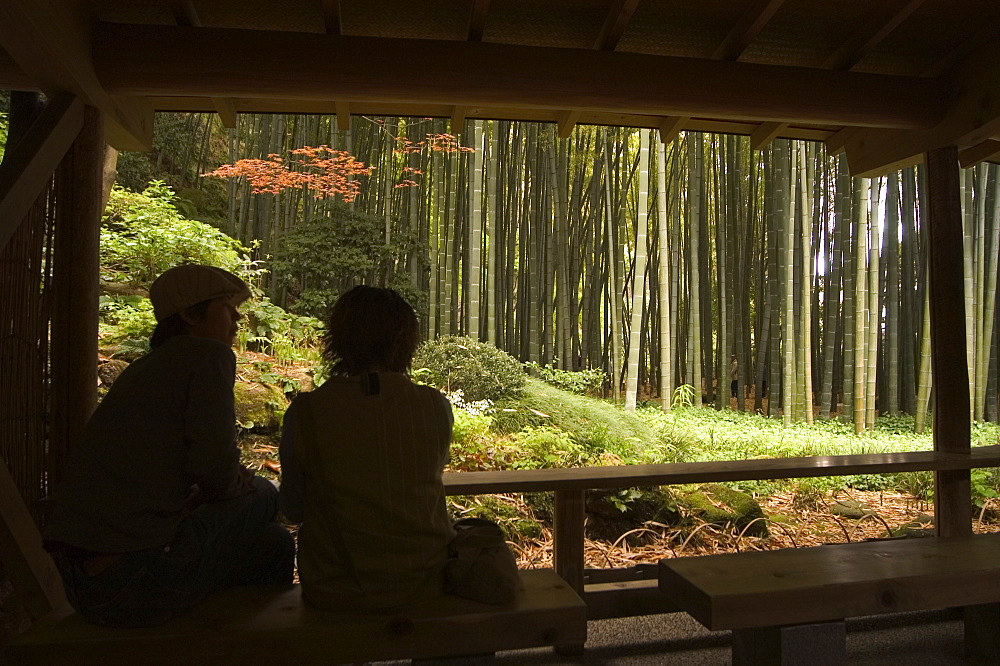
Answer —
(366, 486)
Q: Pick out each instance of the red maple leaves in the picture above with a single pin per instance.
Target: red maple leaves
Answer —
(327, 172)
(322, 170)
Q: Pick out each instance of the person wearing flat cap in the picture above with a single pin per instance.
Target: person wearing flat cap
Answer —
(155, 511)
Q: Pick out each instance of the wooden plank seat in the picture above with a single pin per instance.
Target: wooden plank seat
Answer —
(788, 606)
(273, 625)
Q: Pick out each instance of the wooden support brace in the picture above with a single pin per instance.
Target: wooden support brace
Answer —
(671, 127)
(343, 116)
(981, 152)
(765, 134)
(567, 121)
(458, 119)
(835, 145)
(28, 566)
(227, 111)
(27, 167)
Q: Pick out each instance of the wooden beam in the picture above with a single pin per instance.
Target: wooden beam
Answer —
(765, 134)
(457, 119)
(29, 568)
(981, 152)
(227, 111)
(952, 429)
(343, 116)
(163, 60)
(671, 127)
(567, 121)
(50, 40)
(751, 22)
(27, 167)
(619, 15)
(477, 20)
(331, 16)
(869, 36)
(835, 144)
(973, 117)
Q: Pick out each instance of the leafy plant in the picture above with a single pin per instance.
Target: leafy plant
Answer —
(582, 382)
(683, 396)
(143, 235)
(545, 446)
(479, 369)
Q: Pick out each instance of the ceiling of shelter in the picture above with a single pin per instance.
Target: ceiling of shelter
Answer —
(883, 80)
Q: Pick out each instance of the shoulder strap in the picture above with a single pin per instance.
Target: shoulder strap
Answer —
(305, 440)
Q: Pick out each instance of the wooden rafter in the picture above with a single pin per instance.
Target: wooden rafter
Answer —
(162, 60)
(28, 165)
(567, 121)
(477, 20)
(227, 111)
(765, 134)
(185, 13)
(50, 41)
(671, 127)
(751, 22)
(343, 111)
(458, 119)
(614, 26)
(870, 34)
(331, 16)
(981, 152)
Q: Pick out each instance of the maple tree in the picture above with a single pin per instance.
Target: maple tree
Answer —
(322, 170)
(327, 172)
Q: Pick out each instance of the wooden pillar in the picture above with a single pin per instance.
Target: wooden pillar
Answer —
(952, 428)
(568, 546)
(75, 290)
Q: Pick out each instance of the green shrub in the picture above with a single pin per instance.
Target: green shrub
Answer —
(582, 382)
(125, 317)
(545, 446)
(479, 369)
(143, 235)
(322, 257)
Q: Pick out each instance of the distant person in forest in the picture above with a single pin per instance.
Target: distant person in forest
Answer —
(156, 511)
(734, 376)
(362, 458)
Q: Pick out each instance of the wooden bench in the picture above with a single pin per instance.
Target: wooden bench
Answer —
(788, 606)
(641, 597)
(272, 625)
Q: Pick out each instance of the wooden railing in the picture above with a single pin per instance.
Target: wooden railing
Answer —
(639, 597)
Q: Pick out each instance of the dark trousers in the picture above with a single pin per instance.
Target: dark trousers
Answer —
(221, 544)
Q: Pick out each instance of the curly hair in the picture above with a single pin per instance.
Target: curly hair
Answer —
(370, 329)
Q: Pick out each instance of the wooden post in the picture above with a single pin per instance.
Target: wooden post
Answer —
(75, 290)
(952, 429)
(568, 537)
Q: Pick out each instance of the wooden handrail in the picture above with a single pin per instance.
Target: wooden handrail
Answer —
(628, 476)
(640, 597)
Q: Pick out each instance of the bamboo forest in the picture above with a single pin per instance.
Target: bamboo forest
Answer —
(770, 278)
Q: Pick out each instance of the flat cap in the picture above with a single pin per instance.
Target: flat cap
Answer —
(180, 287)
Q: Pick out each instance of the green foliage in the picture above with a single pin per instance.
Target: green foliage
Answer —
(270, 329)
(582, 382)
(546, 446)
(321, 258)
(683, 396)
(473, 447)
(479, 369)
(607, 433)
(144, 234)
(125, 318)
